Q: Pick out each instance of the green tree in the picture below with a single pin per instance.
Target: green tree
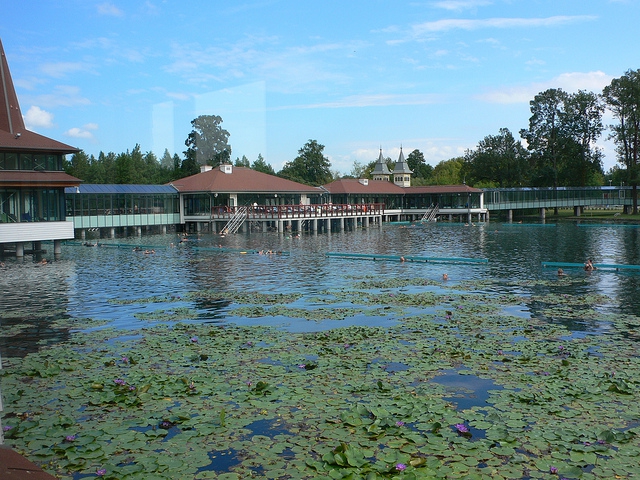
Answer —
(582, 125)
(310, 167)
(260, 165)
(448, 172)
(358, 170)
(167, 160)
(242, 162)
(189, 165)
(499, 160)
(421, 170)
(544, 135)
(208, 142)
(622, 96)
(562, 132)
(79, 166)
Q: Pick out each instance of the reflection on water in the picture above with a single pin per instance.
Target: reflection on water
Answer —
(84, 281)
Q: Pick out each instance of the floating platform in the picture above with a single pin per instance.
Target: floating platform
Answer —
(115, 245)
(407, 258)
(609, 225)
(241, 251)
(599, 266)
(528, 224)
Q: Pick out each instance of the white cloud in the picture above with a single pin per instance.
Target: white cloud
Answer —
(61, 69)
(378, 100)
(471, 24)
(461, 4)
(569, 82)
(82, 132)
(109, 9)
(62, 96)
(36, 117)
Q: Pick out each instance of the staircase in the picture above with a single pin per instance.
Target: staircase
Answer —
(236, 220)
(430, 214)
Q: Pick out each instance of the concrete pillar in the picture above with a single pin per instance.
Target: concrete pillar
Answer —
(365, 222)
(112, 232)
(37, 247)
(341, 225)
(577, 211)
(328, 225)
(138, 231)
(57, 247)
(509, 215)
(280, 226)
(543, 213)
(83, 234)
(469, 219)
(163, 229)
(19, 249)
(486, 216)
(314, 225)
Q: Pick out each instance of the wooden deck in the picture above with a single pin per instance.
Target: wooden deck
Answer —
(14, 466)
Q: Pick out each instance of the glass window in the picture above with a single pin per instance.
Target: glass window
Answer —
(26, 161)
(11, 161)
(39, 162)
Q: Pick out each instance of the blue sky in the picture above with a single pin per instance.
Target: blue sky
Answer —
(354, 75)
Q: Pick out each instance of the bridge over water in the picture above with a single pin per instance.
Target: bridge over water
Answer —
(161, 207)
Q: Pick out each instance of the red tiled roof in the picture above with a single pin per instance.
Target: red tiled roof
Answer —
(353, 185)
(14, 136)
(25, 179)
(242, 180)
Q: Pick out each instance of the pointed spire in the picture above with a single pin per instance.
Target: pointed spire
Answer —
(381, 168)
(10, 115)
(401, 165)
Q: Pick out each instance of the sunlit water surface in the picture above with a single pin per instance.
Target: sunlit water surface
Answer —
(84, 281)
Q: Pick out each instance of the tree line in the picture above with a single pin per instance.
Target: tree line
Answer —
(557, 149)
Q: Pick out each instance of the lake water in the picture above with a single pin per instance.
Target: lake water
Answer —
(84, 281)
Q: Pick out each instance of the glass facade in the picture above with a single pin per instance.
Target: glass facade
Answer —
(101, 204)
(31, 161)
(31, 205)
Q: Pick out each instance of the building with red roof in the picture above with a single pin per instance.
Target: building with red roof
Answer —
(32, 180)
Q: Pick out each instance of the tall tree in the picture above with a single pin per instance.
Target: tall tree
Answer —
(242, 162)
(357, 170)
(448, 172)
(166, 161)
(208, 142)
(421, 170)
(544, 135)
(310, 166)
(260, 165)
(622, 96)
(582, 125)
(79, 166)
(499, 160)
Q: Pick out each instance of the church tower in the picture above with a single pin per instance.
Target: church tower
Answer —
(381, 171)
(401, 172)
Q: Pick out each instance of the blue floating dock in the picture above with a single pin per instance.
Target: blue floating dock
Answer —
(407, 258)
(599, 266)
(115, 245)
(240, 251)
(609, 225)
(528, 224)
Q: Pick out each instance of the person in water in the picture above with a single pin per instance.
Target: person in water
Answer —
(589, 266)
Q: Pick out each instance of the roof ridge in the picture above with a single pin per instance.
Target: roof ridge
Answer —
(10, 114)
